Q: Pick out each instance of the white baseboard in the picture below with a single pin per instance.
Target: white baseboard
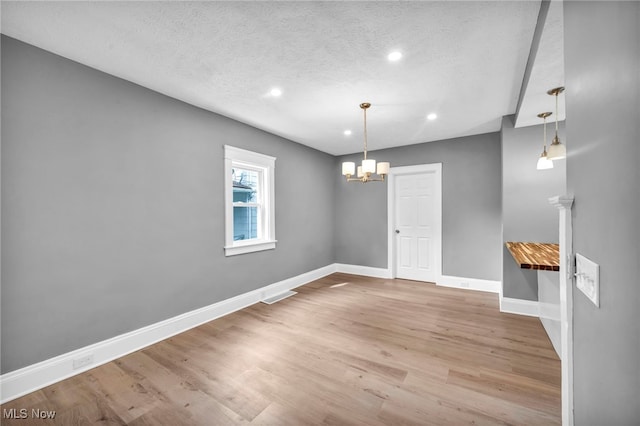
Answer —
(508, 305)
(31, 378)
(530, 308)
(367, 271)
(470, 283)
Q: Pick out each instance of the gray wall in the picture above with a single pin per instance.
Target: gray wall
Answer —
(526, 213)
(471, 236)
(112, 207)
(602, 63)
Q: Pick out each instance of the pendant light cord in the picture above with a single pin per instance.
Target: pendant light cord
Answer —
(544, 147)
(556, 115)
(365, 133)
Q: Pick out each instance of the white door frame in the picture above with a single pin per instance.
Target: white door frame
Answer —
(391, 235)
(564, 203)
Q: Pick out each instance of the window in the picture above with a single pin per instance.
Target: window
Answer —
(249, 205)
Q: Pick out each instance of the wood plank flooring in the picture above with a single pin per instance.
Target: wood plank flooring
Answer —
(371, 352)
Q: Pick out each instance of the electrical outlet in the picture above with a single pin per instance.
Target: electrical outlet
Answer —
(464, 284)
(82, 361)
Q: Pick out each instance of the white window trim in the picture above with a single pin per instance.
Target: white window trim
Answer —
(241, 157)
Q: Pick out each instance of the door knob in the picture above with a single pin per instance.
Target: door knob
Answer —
(397, 231)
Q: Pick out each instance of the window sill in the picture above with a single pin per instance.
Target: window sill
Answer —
(249, 247)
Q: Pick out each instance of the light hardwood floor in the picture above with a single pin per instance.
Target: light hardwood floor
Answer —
(371, 352)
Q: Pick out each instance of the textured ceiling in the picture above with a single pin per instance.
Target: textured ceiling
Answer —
(464, 61)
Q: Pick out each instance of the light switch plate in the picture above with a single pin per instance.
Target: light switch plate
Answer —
(588, 278)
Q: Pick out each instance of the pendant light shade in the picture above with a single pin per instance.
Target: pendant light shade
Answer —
(369, 166)
(557, 151)
(348, 168)
(544, 163)
(368, 169)
(383, 168)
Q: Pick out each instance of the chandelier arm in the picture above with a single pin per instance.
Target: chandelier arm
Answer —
(366, 179)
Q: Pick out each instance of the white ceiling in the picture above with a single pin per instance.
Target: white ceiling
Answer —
(465, 61)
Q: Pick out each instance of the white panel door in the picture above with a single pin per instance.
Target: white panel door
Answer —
(415, 228)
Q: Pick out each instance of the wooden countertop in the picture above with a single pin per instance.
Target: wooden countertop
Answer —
(542, 256)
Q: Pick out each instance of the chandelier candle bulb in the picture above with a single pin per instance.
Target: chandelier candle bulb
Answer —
(348, 168)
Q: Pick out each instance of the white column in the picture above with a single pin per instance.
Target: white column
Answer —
(564, 203)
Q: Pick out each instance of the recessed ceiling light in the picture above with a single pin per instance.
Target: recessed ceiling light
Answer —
(432, 116)
(394, 56)
(276, 92)
(347, 132)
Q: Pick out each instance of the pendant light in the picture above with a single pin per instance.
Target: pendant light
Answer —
(557, 151)
(544, 163)
(365, 172)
